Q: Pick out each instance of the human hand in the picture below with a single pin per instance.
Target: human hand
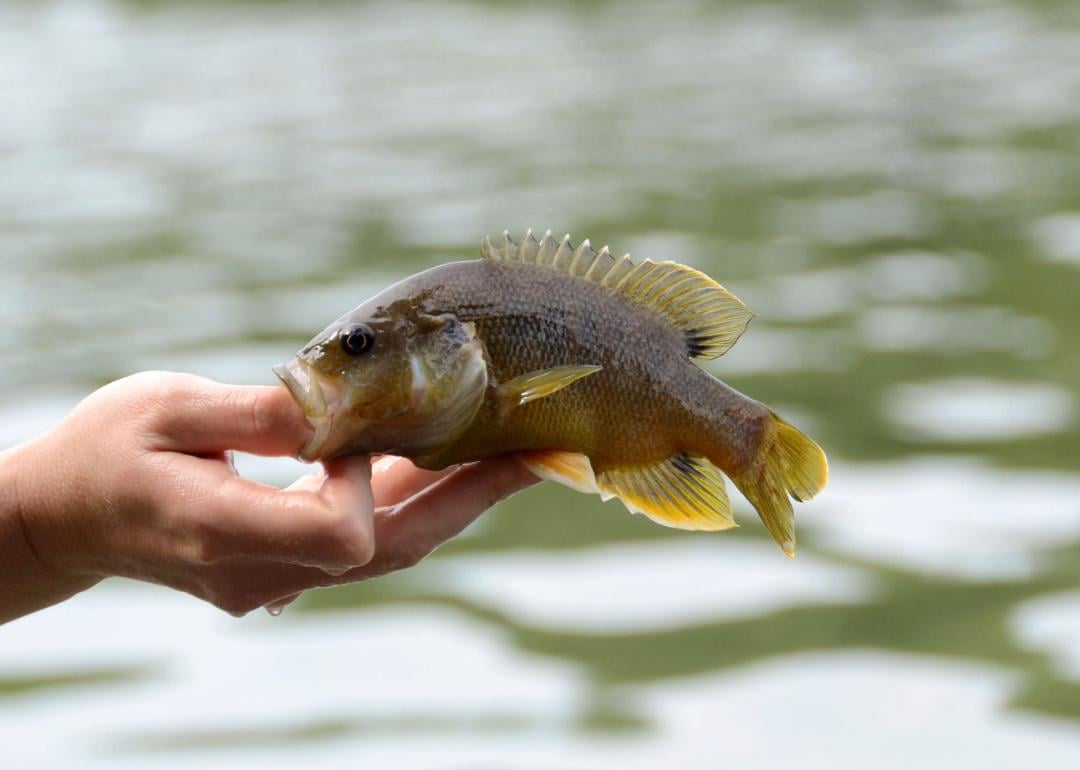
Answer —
(138, 482)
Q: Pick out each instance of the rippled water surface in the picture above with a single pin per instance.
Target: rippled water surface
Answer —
(893, 188)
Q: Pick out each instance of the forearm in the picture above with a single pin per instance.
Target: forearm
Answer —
(27, 583)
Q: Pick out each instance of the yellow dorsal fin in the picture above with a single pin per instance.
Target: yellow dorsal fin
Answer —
(533, 385)
(685, 491)
(710, 317)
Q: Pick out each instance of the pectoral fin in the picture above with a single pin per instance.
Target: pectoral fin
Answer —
(533, 385)
(684, 491)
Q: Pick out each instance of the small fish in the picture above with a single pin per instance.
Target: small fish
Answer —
(575, 360)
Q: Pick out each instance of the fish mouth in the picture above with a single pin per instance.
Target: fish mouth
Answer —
(319, 398)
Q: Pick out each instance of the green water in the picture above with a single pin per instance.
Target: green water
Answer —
(893, 188)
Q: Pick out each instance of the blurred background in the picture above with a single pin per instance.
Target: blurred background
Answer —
(893, 187)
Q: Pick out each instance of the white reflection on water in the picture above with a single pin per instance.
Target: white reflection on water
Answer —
(921, 275)
(891, 277)
(1051, 624)
(765, 349)
(870, 217)
(271, 131)
(218, 674)
(917, 328)
(213, 672)
(876, 710)
(951, 516)
(645, 587)
(970, 409)
(1058, 237)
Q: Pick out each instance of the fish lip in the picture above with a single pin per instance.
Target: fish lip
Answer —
(305, 389)
(317, 397)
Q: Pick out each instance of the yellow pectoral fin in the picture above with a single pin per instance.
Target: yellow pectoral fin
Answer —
(569, 468)
(533, 385)
(684, 491)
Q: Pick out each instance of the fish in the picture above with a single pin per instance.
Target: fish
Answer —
(580, 363)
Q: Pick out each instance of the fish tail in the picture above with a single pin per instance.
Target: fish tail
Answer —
(788, 465)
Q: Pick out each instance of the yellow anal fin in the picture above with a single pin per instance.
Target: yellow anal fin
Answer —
(709, 317)
(533, 385)
(791, 466)
(684, 491)
(572, 469)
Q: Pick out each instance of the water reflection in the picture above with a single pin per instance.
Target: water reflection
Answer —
(893, 191)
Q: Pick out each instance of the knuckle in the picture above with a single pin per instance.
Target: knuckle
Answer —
(358, 549)
(348, 534)
(207, 544)
(205, 552)
(260, 415)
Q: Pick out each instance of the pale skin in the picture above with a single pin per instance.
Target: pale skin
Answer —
(138, 482)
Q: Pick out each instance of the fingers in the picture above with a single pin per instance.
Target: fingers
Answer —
(330, 528)
(410, 531)
(200, 416)
(395, 479)
(404, 534)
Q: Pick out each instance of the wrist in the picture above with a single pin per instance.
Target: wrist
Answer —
(31, 579)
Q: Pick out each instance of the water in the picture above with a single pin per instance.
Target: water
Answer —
(892, 188)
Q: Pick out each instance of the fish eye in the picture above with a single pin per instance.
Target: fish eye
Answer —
(357, 340)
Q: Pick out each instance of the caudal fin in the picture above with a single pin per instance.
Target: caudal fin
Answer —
(789, 466)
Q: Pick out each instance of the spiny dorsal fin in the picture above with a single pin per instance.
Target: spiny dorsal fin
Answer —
(710, 317)
(685, 491)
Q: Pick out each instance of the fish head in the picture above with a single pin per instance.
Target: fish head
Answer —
(396, 379)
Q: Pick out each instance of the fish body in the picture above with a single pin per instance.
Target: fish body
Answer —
(577, 361)
(646, 401)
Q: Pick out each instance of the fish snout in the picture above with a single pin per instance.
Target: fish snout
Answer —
(319, 398)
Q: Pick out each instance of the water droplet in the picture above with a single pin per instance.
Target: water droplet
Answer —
(275, 609)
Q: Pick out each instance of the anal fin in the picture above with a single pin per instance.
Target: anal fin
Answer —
(684, 491)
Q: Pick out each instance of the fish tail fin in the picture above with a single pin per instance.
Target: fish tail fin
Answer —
(789, 465)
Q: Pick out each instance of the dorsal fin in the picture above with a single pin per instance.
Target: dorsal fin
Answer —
(710, 317)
